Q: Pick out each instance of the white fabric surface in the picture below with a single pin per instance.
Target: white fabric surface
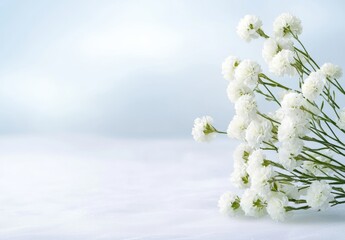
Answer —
(102, 188)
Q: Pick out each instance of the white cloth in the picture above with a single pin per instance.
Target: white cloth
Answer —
(101, 188)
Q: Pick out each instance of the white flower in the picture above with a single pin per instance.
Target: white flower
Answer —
(341, 120)
(290, 190)
(313, 85)
(311, 167)
(276, 206)
(311, 108)
(248, 26)
(246, 107)
(279, 115)
(248, 73)
(259, 130)
(241, 155)
(319, 195)
(286, 23)
(292, 101)
(314, 168)
(286, 159)
(281, 63)
(253, 204)
(273, 46)
(237, 127)
(331, 71)
(294, 147)
(240, 178)
(229, 204)
(260, 178)
(256, 161)
(290, 129)
(236, 89)
(228, 67)
(203, 131)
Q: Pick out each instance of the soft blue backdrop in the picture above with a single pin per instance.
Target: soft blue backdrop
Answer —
(135, 68)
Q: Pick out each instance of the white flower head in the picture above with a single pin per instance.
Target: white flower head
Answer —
(282, 63)
(319, 195)
(311, 167)
(276, 206)
(246, 107)
(236, 89)
(248, 73)
(241, 155)
(272, 46)
(279, 114)
(240, 178)
(203, 131)
(331, 70)
(229, 204)
(286, 159)
(260, 179)
(290, 190)
(237, 127)
(312, 109)
(285, 24)
(258, 130)
(292, 101)
(256, 161)
(313, 85)
(341, 120)
(228, 67)
(253, 204)
(294, 146)
(287, 130)
(248, 27)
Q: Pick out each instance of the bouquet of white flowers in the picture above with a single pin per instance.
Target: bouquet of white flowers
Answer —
(291, 158)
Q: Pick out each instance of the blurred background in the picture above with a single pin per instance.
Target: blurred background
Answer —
(97, 102)
(135, 68)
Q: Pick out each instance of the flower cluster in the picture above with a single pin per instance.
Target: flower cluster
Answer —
(292, 157)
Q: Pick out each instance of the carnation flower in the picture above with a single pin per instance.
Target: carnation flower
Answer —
(248, 27)
(240, 178)
(236, 89)
(286, 159)
(312, 109)
(276, 206)
(203, 131)
(313, 85)
(341, 120)
(229, 204)
(285, 24)
(331, 71)
(314, 168)
(237, 127)
(246, 107)
(282, 63)
(248, 73)
(294, 146)
(290, 190)
(253, 204)
(258, 131)
(290, 129)
(319, 195)
(260, 179)
(241, 155)
(279, 114)
(228, 67)
(273, 46)
(256, 161)
(292, 101)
